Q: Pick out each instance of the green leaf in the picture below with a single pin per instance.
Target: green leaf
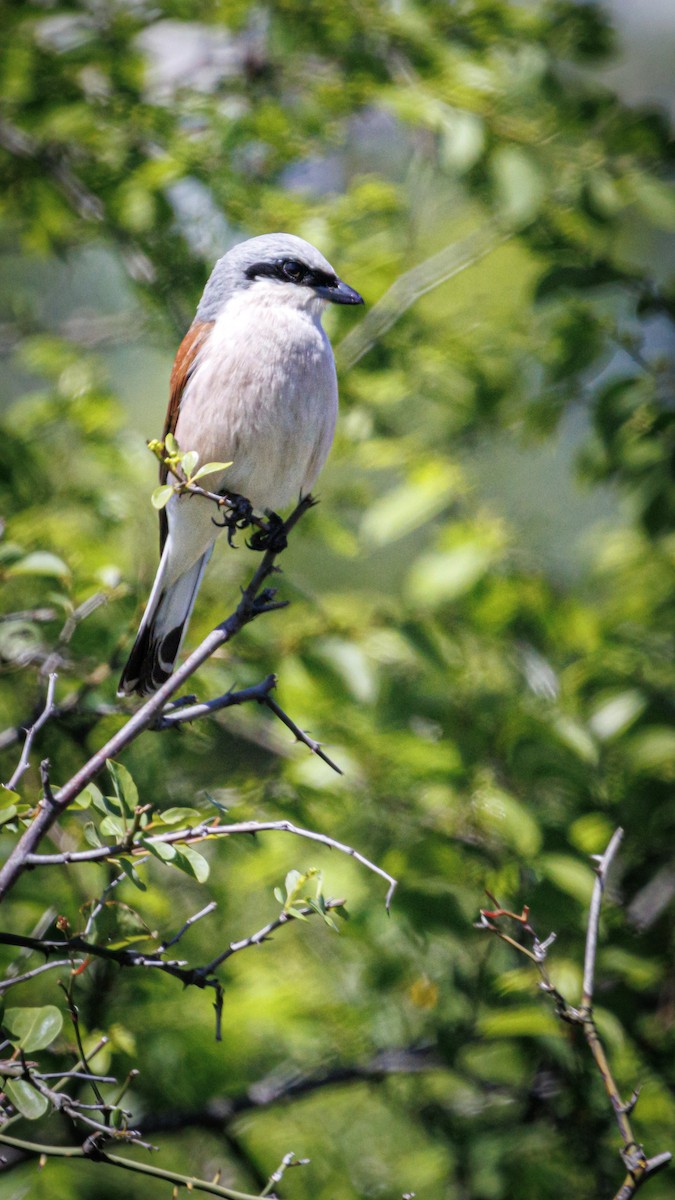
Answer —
(86, 797)
(209, 468)
(189, 461)
(115, 827)
(162, 850)
(32, 1029)
(192, 863)
(91, 835)
(576, 737)
(590, 833)
(616, 713)
(125, 788)
(131, 874)
(438, 578)
(500, 815)
(8, 798)
(462, 139)
(171, 445)
(161, 495)
(41, 562)
(175, 816)
(26, 1100)
(652, 752)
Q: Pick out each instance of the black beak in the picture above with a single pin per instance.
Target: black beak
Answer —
(339, 293)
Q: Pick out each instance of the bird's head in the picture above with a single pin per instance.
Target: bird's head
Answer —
(282, 267)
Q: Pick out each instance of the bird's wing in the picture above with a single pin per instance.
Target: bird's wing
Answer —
(184, 365)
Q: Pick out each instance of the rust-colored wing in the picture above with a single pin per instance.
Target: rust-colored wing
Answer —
(183, 366)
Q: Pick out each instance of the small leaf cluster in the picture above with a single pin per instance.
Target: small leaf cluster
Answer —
(182, 466)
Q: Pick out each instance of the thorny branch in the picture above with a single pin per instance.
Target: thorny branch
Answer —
(639, 1168)
(201, 977)
(199, 833)
(93, 1150)
(45, 715)
(255, 600)
(259, 692)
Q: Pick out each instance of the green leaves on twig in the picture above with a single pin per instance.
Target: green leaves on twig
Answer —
(182, 466)
(296, 898)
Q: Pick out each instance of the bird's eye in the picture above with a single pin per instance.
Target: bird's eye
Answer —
(293, 270)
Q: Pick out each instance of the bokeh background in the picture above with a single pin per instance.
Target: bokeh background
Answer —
(481, 622)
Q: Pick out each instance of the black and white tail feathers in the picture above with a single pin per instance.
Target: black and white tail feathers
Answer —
(163, 627)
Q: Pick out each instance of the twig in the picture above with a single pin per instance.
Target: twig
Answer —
(200, 977)
(259, 692)
(253, 602)
(198, 833)
(300, 735)
(256, 939)
(45, 715)
(601, 871)
(204, 912)
(289, 1160)
(639, 1167)
(5, 984)
(54, 660)
(91, 1150)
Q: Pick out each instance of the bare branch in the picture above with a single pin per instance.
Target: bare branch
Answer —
(601, 871)
(639, 1167)
(289, 1160)
(259, 692)
(198, 833)
(204, 912)
(46, 714)
(251, 604)
(124, 956)
(93, 1151)
(5, 984)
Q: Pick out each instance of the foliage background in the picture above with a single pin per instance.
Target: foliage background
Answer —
(481, 627)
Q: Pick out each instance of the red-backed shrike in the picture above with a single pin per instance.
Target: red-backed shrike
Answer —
(253, 385)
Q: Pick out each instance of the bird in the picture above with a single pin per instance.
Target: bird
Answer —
(254, 390)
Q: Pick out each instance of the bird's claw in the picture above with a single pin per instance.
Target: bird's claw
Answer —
(236, 515)
(271, 537)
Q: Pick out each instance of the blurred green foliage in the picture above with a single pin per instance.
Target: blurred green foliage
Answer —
(496, 714)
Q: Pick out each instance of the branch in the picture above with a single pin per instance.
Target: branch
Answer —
(90, 1150)
(638, 1166)
(199, 833)
(5, 984)
(601, 871)
(46, 714)
(259, 692)
(253, 602)
(201, 977)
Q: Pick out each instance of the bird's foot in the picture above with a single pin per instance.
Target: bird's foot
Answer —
(271, 535)
(237, 514)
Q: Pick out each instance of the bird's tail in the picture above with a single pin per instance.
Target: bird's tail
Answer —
(162, 629)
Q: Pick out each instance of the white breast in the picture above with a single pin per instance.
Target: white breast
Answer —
(264, 395)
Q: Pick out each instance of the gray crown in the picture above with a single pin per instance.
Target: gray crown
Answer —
(229, 273)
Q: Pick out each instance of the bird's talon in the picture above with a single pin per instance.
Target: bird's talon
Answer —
(271, 536)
